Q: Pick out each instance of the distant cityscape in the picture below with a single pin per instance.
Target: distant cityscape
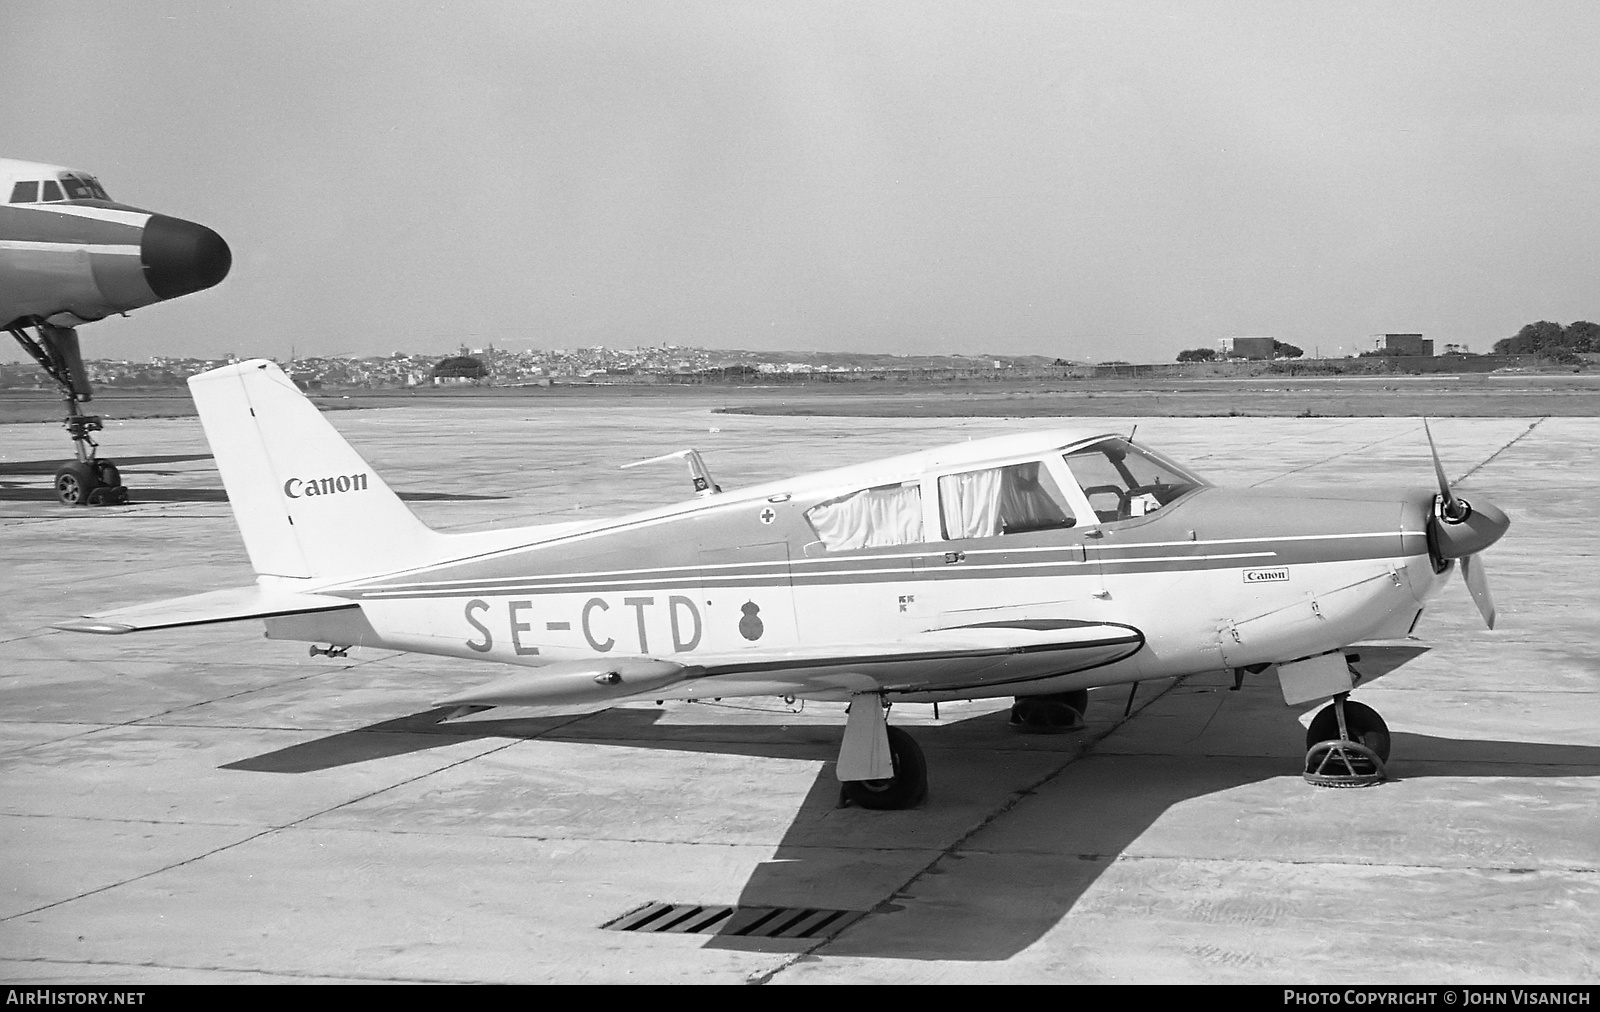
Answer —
(502, 367)
(675, 364)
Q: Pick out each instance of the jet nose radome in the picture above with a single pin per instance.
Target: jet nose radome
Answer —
(180, 257)
(1481, 527)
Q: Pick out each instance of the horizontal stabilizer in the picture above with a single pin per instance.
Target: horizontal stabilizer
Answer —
(233, 605)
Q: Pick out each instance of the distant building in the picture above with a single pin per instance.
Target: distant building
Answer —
(1248, 347)
(459, 369)
(1405, 344)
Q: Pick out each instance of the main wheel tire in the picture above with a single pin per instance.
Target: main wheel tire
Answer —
(907, 787)
(1362, 721)
(75, 483)
(107, 473)
(1054, 713)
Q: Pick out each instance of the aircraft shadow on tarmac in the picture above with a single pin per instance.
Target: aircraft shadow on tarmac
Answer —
(1120, 811)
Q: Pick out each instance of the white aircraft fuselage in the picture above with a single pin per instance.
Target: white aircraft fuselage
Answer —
(1215, 579)
(1033, 566)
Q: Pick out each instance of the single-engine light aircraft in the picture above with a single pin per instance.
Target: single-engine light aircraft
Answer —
(1034, 566)
(70, 255)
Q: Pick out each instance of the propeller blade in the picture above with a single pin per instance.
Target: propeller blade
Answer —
(1478, 584)
(1438, 469)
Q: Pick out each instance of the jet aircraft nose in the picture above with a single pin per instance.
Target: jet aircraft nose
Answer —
(1482, 527)
(180, 257)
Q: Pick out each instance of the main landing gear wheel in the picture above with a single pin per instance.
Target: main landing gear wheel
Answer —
(1346, 745)
(1052, 714)
(906, 788)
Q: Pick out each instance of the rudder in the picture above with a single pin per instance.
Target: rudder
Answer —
(306, 503)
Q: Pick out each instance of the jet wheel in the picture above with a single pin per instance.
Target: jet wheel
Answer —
(76, 483)
(1353, 759)
(906, 788)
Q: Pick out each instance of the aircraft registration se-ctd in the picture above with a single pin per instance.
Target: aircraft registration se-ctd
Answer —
(1033, 566)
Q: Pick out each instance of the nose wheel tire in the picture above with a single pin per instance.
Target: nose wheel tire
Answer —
(95, 483)
(1349, 756)
(75, 483)
(906, 788)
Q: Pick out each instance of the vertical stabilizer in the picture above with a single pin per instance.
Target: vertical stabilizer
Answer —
(306, 503)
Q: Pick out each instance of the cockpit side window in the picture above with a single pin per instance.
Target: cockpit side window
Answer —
(1122, 481)
(51, 190)
(871, 518)
(25, 192)
(1015, 499)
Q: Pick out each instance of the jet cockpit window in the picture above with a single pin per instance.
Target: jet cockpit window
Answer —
(1014, 499)
(871, 518)
(1122, 481)
(25, 192)
(52, 191)
(82, 187)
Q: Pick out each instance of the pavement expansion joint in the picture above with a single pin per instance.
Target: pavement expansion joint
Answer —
(1508, 445)
(264, 832)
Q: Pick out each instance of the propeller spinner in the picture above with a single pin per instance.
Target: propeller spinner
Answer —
(1461, 530)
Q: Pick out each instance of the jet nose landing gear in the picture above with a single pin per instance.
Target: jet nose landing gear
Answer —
(1346, 745)
(87, 481)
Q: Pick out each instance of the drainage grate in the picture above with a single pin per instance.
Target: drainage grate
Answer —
(744, 922)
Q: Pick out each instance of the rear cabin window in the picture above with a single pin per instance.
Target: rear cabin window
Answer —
(25, 192)
(1002, 500)
(872, 518)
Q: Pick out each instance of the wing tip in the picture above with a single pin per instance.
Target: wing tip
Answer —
(90, 625)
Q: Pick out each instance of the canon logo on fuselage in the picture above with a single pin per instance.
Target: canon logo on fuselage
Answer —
(295, 488)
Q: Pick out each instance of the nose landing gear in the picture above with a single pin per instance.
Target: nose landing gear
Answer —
(87, 481)
(1346, 745)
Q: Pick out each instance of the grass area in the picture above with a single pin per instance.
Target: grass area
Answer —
(1482, 395)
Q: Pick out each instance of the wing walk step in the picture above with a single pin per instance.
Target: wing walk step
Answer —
(740, 921)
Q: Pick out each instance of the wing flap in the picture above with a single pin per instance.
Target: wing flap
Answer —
(233, 605)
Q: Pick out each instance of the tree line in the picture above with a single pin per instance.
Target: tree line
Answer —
(1552, 339)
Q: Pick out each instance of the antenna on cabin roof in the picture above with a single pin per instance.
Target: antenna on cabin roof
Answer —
(699, 474)
(1132, 431)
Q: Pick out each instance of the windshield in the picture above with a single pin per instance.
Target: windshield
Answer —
(82, 187)
(1122, 481)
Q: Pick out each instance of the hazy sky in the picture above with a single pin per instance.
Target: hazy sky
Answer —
(1090, 180)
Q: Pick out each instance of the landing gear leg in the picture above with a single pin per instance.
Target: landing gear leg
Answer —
(1346, 745)
(87, 481)
(879, 766)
